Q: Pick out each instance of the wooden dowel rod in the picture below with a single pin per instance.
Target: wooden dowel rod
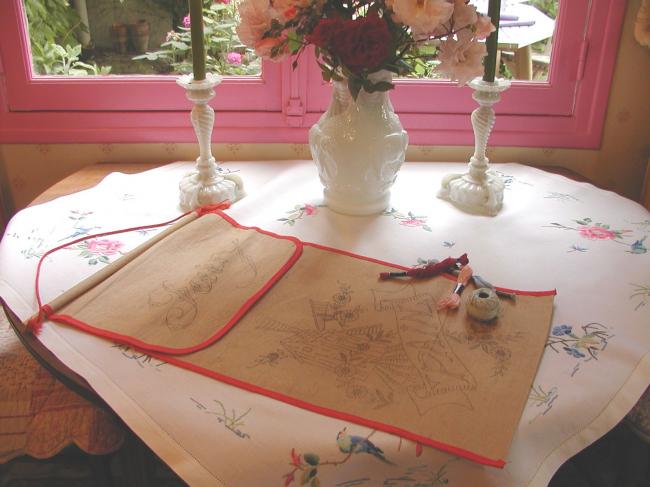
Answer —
(84, 286)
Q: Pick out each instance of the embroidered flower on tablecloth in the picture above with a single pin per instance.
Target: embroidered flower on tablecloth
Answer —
(641, 293)
(591, 230)
(584, 344)
(596, 233)
(560, 330)
(409, 219)
(300, 211)
(574, 352)
(98, 250)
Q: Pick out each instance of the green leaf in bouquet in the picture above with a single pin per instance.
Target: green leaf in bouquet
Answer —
(354, 85)
(294, 42)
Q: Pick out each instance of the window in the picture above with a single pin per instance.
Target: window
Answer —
(565, 108)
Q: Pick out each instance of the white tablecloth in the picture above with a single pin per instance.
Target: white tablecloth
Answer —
(552, 233)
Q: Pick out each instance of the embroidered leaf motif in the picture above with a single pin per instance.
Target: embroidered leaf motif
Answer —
(311, 458)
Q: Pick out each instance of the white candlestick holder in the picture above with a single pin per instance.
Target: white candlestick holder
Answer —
(208, 183)
(479, 190)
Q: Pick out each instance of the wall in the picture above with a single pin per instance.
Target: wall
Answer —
(619, 165)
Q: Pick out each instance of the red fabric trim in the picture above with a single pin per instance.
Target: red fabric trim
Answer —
(451, 277)
(35, 326)
(335, 414)
(128, 340)
(257, 389)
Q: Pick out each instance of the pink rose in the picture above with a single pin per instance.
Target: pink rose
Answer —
(461, 60)
(233, 58)
(597, 233)
(104, 247)
(255, 20)
(422, 16)
(264, 48)
(187, 22)
(309, 210)
(225, 2)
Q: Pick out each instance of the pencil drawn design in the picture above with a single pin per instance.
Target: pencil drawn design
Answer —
(398, 348)
(439, 377)
(336, 310)
(181, 299)
(494, 345)
(272, 358)
(232, 421)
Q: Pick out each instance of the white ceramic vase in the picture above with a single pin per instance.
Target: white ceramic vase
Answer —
(358, 147)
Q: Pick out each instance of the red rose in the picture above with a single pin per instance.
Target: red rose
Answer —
(325, 32)
(363, 43)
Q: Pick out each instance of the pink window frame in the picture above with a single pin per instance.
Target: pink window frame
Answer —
(281, 105)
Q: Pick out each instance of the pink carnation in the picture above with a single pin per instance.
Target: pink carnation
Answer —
(483, 27)
(264, 48)
(413, 222)
(187, 21)
(461, 60)
(225, 2)
(233, 58)
(464, 14)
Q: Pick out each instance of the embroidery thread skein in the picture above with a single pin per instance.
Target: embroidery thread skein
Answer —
(453, 301)
(428, 270)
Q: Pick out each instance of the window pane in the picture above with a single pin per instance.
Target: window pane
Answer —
(525, 41)
(90, 37)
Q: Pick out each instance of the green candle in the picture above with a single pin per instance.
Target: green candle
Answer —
(198, 49)
(494, 11)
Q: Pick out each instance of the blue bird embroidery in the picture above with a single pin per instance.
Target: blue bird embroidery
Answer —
(357, 444)
(637, 247)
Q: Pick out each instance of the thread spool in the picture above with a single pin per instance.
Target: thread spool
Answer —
(483, 305)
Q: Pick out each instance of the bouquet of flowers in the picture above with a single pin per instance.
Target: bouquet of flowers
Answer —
(355, 38)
